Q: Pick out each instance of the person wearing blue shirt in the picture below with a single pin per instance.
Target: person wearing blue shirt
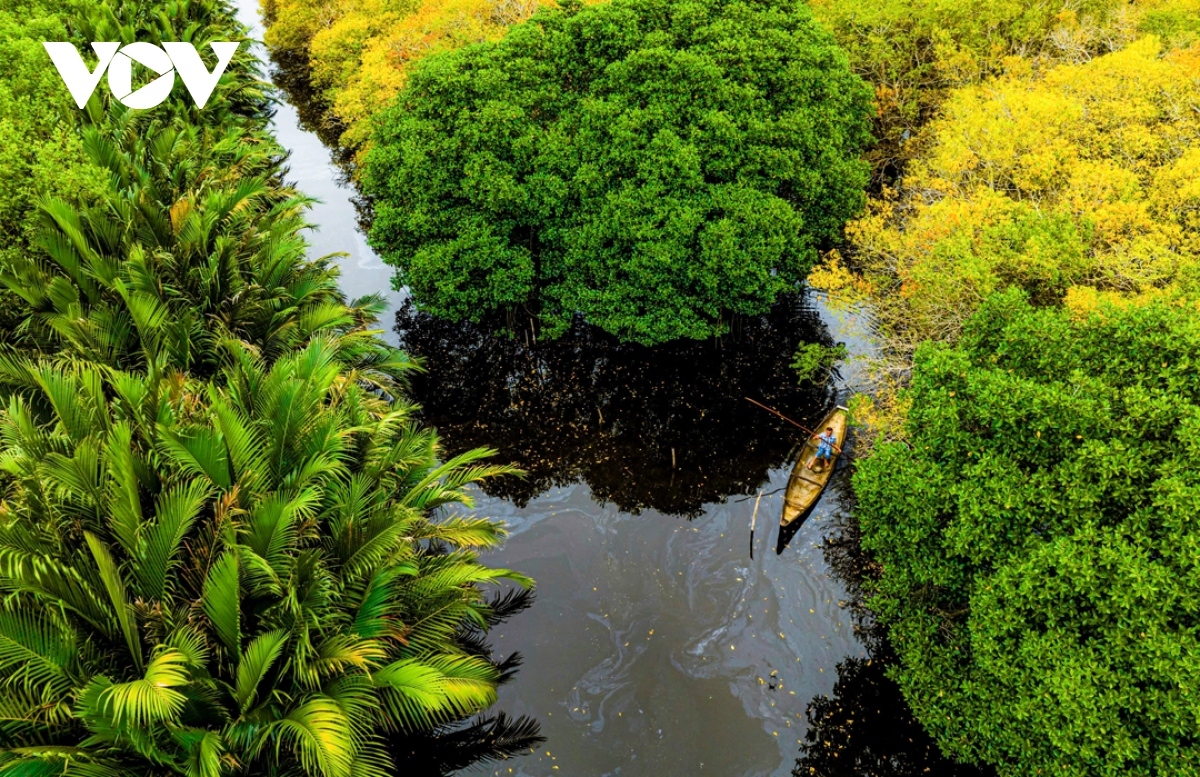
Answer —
(827, 443)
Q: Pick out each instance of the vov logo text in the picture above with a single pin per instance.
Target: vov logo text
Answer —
(117, 61)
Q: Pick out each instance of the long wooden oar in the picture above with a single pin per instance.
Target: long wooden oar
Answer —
(781, 415)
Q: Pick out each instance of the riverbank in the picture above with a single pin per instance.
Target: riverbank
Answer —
(314, 170)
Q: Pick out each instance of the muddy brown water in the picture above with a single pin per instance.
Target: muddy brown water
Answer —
(656, 646)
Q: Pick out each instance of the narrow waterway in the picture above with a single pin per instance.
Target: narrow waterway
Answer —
(657, 645)
(334, 218)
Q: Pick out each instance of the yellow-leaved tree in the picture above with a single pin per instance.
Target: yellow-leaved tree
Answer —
(914, 51)
(1076, 184)
(358, 51)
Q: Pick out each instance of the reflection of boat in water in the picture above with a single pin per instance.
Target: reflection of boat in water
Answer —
(786, 533)
(805, 485)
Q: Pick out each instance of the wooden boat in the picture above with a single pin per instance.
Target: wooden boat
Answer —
(805, 485)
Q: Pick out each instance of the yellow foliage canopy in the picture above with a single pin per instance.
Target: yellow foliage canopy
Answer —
(359, 51)
(914, 51)
(1084, 176)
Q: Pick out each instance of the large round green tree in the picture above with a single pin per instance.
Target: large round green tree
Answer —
(654, 165)
(1039, 536)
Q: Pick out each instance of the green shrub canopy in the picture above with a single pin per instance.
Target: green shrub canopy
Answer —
(1040, 541)
(653, 165)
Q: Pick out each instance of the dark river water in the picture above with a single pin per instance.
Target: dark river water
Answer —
(656, 645)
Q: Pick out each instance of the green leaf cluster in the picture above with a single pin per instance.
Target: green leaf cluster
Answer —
(230, 577)
(814, 362)
(1039, 536)
(652, 165)
(39, 154)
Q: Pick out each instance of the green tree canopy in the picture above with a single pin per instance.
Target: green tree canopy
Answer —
(1040, 540)
(654, 165)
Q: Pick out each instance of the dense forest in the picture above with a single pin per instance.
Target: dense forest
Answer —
(1027, 248)
(652, 172)
(226, 545)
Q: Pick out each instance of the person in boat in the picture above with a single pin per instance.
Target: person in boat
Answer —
(826, 445)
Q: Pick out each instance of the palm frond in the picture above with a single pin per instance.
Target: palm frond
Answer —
(36, 650)
(114, 584)
(222, 602)
(152, 698)
(319, 736)
(175, 510)
(256, 661)
(463, 532)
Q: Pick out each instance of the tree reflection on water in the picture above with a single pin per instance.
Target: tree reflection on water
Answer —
(664, 428)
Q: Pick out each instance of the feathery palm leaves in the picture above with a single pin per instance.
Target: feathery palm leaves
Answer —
(219, 580)
(198, 245)
(218, 554)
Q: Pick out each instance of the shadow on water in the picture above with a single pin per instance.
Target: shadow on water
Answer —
(664, 428)
(787, 533)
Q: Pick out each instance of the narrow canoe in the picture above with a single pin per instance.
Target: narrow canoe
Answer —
(805, 485)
